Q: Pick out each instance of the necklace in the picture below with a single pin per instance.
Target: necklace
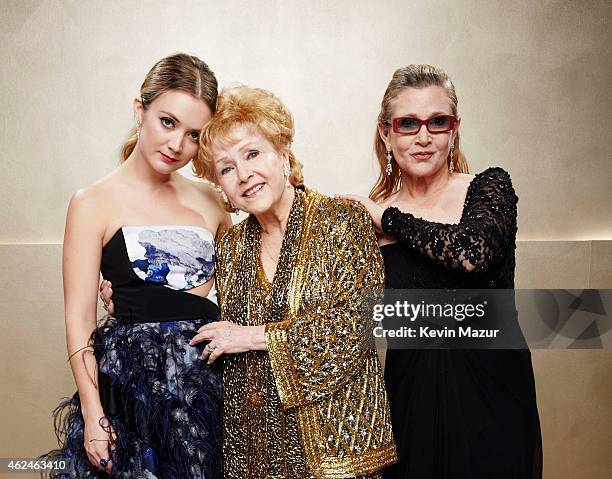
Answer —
(267, 252)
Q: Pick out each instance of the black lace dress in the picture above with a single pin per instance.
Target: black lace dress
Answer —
(461, 413)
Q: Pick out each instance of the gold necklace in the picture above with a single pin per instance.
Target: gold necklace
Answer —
(267, 251)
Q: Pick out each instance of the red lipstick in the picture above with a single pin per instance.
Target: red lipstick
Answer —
(167, 159)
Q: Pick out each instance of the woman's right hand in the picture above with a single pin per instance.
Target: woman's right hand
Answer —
(98, 442)
(374, 209)
(106, 294)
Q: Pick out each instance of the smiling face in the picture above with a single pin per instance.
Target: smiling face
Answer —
(170, 129)
(249, 170)
(424, 153)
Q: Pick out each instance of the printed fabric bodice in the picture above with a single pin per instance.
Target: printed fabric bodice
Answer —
(178, 257)
(150, 265)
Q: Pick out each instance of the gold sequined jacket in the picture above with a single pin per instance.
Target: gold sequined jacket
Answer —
(316, 400)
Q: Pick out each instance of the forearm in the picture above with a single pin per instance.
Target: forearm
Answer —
(84, 366)
(316, 354)
(469, 246)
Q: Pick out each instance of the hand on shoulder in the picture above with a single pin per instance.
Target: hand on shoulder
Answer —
(374, 210)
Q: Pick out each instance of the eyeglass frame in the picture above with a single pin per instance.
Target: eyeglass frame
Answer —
(394, 122)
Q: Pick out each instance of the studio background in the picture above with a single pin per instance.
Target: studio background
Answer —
(533, 80)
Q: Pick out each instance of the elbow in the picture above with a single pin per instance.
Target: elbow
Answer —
(482, 265)
(480, 256)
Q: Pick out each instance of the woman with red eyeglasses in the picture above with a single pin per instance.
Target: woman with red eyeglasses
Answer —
(456, 413)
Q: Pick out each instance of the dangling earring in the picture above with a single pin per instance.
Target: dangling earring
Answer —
(236, 210)
(389, 167)
(451, 164)
(287, 173)
(138, 132)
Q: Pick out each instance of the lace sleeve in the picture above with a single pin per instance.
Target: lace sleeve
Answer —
(487, 225)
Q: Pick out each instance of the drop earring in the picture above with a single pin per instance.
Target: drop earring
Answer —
(451, 164)
(389, 167)
(138, 132)
(287, 173)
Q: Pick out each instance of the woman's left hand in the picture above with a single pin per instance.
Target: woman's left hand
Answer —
(374, 209)
(227, 338)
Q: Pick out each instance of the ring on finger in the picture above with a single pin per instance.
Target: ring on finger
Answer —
(104, 462)
(210, 347)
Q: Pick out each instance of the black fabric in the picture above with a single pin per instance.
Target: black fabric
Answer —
(461, 413)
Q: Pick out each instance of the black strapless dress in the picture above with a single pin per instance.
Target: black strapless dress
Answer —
(461, 413)
(162, 401)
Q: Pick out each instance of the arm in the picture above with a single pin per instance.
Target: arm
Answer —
(224, 336)
(81, 270)
(317, 352)
(478, 241)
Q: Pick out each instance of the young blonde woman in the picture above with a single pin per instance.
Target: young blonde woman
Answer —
(146, 405)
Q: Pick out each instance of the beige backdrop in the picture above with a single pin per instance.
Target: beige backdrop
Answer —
(533, 81)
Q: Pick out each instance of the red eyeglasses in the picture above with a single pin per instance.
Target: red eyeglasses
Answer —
(411, 126)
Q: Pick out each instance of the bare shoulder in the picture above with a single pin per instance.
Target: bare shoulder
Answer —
(86, 218)
(462, 179)
(389, 200)
(207, 190)
(209, 197)
(92, 206)
(209, 203)
(90, 198)
(105, 189)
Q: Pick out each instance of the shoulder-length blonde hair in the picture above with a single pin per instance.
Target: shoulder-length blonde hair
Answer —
(411, 76)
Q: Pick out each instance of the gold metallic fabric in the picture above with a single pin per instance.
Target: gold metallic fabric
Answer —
(314, 405)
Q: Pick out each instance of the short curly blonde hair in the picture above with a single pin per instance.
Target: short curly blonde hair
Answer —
(252, 107)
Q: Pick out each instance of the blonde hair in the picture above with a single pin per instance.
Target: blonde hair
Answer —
(252, 107)
(411, 76)
(176, 72)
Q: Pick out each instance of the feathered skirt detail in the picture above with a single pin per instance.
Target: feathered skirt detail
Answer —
(162, 401)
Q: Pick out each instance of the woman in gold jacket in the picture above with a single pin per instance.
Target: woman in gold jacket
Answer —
(303, 391)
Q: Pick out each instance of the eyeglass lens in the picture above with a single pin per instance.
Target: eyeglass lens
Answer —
(437, 124)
